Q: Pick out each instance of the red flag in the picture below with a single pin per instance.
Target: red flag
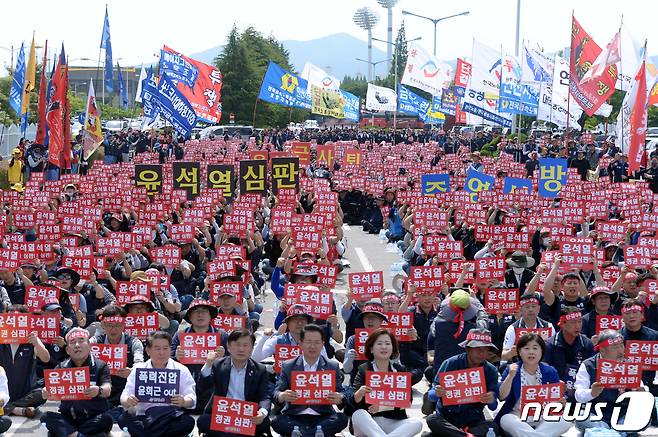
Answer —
(55, 116)
(638, 125)
(592, 93)
(41, 104)
(66, 150)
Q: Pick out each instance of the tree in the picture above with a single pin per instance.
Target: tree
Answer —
(243, 63)
(400, 53)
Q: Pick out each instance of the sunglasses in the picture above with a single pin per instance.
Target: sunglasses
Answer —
(64, 277)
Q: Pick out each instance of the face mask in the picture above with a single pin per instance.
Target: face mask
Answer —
(518, 270)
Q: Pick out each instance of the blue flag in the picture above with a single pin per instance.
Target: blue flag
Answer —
(178, 68)
(512, 185)
(107, 45)
(351, 106)
(432, 184)
(552, 176)
(149, 97)
(284, 88)
(174, 107)
(122, 88)
(16, 92)
(477, 181)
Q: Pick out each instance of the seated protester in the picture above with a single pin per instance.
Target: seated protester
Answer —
(308, 418)
(610, 346)
(529, 371)
(602, 298)
(372, 420)
(627, 285)
(568, 348)
(5, 422)
(145, 419)
(118, 267)
(350, 312)
(139, 304)
(291, 332)
(237, 377)
(96, 296)
(529, 309)
(34, 271)
(519, 274)
(113, 325)
(573, 292)
(160, 299)
(303, 273)
(170, 304)
(199, 315)
(632, 313)
(86, 417)
(57, 349)
(373, 317)
(195, 256)
(181, 279)
(19, 362)
(466, 419)
(498, 323)
(458, 314)
(414, 354)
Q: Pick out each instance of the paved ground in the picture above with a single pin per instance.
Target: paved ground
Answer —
(365, 253)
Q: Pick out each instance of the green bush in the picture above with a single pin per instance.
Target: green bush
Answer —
(4, 178)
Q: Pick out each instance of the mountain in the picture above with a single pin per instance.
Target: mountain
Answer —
(334, 53)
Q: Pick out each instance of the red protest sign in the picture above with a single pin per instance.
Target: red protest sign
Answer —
(463, 386)
(542, 394)
(233, 416)
(35, 296)
(490, 269)
(141, 325)
(115, 355)
(327, 275)
(617, 374)
(611, 230)
(502, 300)
(229, 322)
(637, 256)
(426, 279)
(81, 264)
(360, 337)
(217, 289)
(9, 259)
(399, 325)
(225, 251)
(366, 285)
(125, 290)
(313, 388)
(306, 241)
(168, 255)
(67, 384)
(283, 353)
(610, 275)
(182, 233)
(389, 389)
(456, 268)
(196, 346)
(281, 220)
(545, 333)
(317, 302)
(443, 248)
(74, 298)
(644, 353)
(577, 252)
(46, 327)
(15, 328)
(218, 268)
(608, 322)
(109, 246)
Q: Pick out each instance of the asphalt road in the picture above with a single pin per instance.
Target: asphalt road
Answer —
(365, 253)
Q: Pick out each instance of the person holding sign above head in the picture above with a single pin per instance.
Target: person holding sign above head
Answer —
(372, 419)
(237, 377)
(86, 415)
(528, 372)
(464, 419)
(308, 417)
(199, 315)
(158, 414)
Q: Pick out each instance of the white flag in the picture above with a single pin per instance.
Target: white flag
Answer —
(315, 75)
(424, 71)
(609, 56)
(631, 57)
(138, 94)
(380, 98)
(537, 67)
(553, 99)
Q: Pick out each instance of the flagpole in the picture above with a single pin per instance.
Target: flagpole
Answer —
(253, 121)
(566, 137)
(621, 112)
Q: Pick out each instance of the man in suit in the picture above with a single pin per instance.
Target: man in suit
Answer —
(238, 377)
(308, 418)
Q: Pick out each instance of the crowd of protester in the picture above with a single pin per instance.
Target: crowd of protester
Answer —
(559, 303)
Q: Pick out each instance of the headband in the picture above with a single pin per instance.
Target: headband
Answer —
(609, 342)
(113, 319)
(631, 309)
(530, 301)
(478, 336)
(564, 318)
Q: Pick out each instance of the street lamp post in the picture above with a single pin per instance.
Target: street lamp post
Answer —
(374, 65)
(435, 21)
(366, 19)
(395, 74)
(75, 87)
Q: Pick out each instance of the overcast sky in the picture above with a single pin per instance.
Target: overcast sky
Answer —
(140, 28)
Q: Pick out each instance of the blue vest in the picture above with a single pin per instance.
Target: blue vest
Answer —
(608, 395)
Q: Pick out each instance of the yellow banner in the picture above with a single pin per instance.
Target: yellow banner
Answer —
(327, 102)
